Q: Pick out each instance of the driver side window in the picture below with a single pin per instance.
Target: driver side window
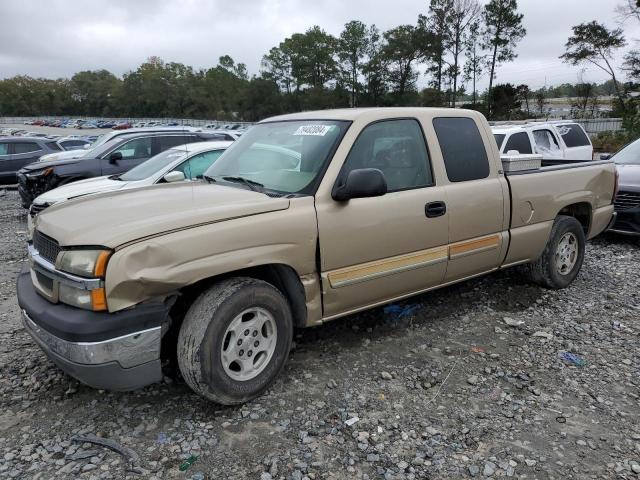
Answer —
(136, 148)
(396, 148)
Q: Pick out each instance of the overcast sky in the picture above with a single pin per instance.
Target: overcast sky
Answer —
(57, 38)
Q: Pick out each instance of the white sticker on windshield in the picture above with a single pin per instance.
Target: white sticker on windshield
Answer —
(315, 130)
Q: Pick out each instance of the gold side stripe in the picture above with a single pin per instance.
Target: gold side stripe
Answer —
(379, 268)
(367, 271)
(474, 246)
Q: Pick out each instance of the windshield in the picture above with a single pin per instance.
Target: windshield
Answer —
(629, 155)
(286, 157)
(153, 165)
(499, 139)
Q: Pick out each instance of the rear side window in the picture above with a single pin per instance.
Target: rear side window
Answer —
(519, 142)
(4, 149)
(25, 147)
(465, 157)
(173, 141)
(53, 146)
(573, 135)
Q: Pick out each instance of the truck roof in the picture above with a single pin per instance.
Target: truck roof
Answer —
(372, 113)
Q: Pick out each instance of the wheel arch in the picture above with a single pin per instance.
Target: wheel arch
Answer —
(284, 277)
(581, 211)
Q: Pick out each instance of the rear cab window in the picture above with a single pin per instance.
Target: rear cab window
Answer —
(573, 135)
(519, 142)
(463, 150)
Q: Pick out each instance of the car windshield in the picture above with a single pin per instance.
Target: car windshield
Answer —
(153, 165)
(629, 155)
(286, 156)
(499, 139)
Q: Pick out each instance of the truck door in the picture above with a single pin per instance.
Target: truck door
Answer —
(477, 198)
(380, 248)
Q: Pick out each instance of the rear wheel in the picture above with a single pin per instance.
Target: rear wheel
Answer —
(562, 257)
(235, 340)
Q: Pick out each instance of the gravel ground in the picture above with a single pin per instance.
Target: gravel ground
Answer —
(469, 383)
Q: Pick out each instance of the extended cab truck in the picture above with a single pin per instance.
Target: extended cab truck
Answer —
(307, 218)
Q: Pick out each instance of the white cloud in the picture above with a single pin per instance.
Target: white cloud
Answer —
(61, 37)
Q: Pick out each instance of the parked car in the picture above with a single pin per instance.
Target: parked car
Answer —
(627, 202)
(122, 126)
(16, 152)
(554, 141)
(116, 156)
(184, 162)
(102, 139)
(370, 206)
(73, 143)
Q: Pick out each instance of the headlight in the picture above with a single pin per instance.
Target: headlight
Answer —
(85, 263)
(40, 173)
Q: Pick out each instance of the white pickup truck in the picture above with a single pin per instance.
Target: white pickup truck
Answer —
(554, 141)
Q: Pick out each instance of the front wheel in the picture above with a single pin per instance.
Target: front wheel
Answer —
(563, 255)
(235, 340)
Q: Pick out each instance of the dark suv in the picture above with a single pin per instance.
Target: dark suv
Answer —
(114, 157)
(16, 152)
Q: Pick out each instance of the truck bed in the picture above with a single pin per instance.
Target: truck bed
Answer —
(538, 196)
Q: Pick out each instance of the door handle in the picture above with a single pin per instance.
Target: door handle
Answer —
(435, 209)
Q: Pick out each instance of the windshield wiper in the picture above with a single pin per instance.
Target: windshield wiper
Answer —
(115, 177)
(253, 185)
(209, 179)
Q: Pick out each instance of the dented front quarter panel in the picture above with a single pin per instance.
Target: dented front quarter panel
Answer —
(163, 264)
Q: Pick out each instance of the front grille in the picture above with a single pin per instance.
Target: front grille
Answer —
(626, 200)
(37, 208)
(47, 247)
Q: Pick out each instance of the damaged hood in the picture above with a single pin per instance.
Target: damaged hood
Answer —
(115, 218)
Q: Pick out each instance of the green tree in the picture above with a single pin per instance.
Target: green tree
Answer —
(505, 101)
(352, 49)
(476, 60)
(594, 43)
(502, 31)
(437, 25)
(404, 47)
(464, 15)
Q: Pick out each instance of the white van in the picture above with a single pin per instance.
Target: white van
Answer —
(554, 141)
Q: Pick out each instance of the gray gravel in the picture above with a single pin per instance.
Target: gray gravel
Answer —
(454, 390)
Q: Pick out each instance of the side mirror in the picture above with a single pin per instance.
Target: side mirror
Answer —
(605, 156)
(174, 176)
(115, 156)
(361, 183)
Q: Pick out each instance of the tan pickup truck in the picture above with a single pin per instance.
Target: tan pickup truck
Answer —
(307, 218)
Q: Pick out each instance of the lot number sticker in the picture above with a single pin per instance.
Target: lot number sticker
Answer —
(314, 130)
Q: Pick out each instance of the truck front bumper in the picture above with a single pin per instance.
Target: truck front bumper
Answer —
(111, 351)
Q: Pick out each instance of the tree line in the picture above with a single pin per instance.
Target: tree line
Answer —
(453, 45)
(455, 42)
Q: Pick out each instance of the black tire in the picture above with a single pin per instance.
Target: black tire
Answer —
(544, 271)
(200, 340)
